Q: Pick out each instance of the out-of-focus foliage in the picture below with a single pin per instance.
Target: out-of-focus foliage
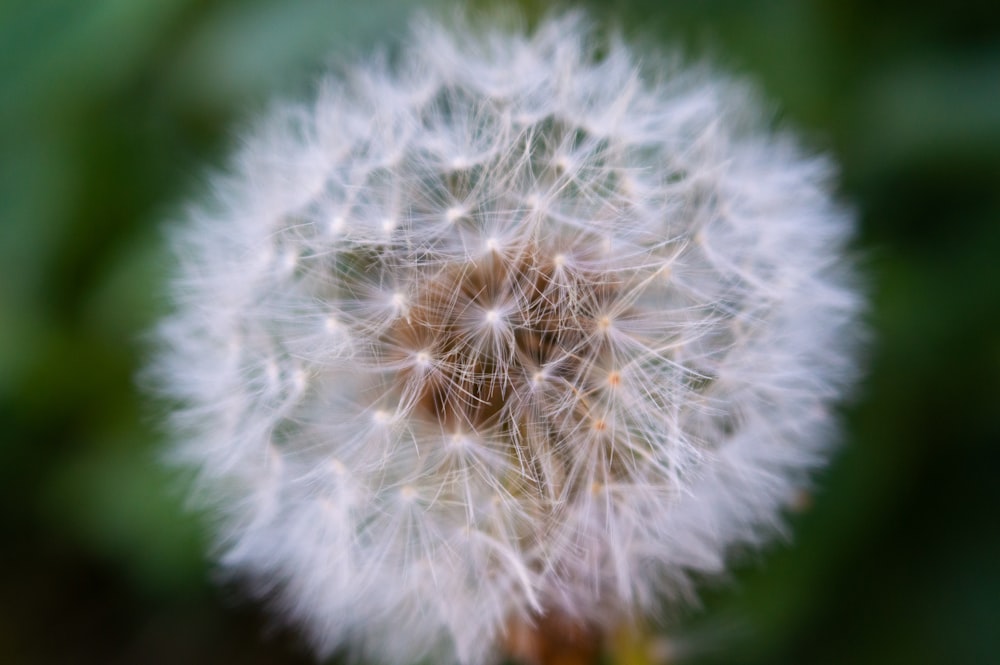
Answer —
(110, 111)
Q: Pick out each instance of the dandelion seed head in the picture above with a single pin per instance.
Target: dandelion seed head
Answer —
(507, 334)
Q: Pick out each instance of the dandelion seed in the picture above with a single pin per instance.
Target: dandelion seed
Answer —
(579, 339)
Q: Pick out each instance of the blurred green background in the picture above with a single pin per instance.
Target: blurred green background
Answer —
(112, 110)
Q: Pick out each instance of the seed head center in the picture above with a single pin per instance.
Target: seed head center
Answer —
(524, 368)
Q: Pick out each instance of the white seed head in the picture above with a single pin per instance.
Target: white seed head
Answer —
(422, 442)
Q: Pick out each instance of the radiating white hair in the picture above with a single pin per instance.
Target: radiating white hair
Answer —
(508, 327)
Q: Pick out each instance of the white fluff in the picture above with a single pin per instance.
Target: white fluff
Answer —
(625, 295)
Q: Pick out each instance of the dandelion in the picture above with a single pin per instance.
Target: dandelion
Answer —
(496, 348)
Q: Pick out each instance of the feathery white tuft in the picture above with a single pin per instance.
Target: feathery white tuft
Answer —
(507, 330)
